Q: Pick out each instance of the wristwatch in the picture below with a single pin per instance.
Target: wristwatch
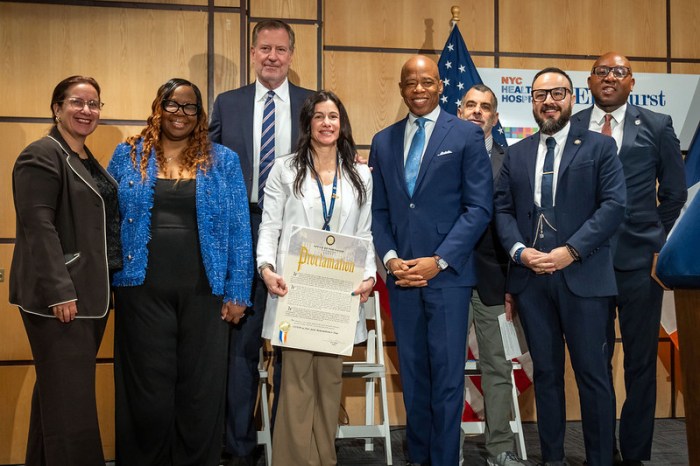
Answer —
(441, 263)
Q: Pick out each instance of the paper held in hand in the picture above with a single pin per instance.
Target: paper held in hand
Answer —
(321, 269)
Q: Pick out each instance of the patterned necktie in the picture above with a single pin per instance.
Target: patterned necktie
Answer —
(607, 129)
(547, 198)
(414, 155)
(267, 144)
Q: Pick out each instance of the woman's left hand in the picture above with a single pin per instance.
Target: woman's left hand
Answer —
(364, 290)
(231, 312)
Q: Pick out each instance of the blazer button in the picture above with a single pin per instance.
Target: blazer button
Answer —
(131, 220)
(131, 183)
(412, 205)
(129, 257)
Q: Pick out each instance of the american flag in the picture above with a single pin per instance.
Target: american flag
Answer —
(458, 75)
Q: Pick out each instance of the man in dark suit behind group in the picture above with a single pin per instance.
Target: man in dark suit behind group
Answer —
(649, 152)
(559, 199)
(237, 122)
(432, 201)
(480, 106)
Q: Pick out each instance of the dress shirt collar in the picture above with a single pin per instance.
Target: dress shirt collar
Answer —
(432, 116)
(598, 115)
(559, 137)
(282, 92)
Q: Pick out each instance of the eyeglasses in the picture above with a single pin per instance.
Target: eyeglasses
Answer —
(76, 103)
(171, 106)
(558, 93)
(618, 72)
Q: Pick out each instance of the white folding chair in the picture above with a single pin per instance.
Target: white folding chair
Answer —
(471, 369)
(371, 369)
(264, 434)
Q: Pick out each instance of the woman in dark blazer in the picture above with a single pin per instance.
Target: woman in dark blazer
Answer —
(188, 269)
(67, 245)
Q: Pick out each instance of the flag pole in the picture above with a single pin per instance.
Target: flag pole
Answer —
(455, 15)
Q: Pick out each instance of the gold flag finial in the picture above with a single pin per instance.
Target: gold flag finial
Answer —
(455, 14)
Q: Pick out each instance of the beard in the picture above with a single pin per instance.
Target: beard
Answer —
(551, 125)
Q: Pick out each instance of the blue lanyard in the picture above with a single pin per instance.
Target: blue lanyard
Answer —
(327, 214)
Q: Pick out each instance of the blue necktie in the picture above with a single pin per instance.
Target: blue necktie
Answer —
(414, 155)
(267, 144)
(547, 199)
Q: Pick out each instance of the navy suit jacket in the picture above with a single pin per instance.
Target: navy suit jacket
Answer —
(590, 204)
(451, 204)
(491, 259)
(232, 123)
(650, 151)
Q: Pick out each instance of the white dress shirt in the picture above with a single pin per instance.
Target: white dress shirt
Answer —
(560, 139)
(617, 123)
(283, 127)
(409, 132)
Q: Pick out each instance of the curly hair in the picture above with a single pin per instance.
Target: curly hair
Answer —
(302, 159)
(197, 155)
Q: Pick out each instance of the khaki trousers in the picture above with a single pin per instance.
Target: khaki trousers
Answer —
(307, 417)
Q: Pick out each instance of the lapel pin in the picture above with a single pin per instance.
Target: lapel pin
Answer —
(637, 122)
(577, 142)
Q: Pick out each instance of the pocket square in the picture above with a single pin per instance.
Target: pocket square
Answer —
(445, 152)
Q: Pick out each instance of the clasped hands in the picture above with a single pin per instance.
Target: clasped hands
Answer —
(546, 262)
(413, 272)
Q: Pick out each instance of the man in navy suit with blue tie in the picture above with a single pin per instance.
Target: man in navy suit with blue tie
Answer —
(259, 122)
(559, 199)
(650, 153)
(432, 201)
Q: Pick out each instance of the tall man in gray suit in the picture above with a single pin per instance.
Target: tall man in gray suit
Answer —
(480, 106)
(559, 199)
(650, 153)
(259, 122)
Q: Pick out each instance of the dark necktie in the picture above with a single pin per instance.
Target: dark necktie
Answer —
(415, 151)
(607, 129)
(547, 198)
(267, 144)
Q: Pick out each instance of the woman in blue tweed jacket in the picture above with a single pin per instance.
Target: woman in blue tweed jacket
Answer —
(187, 273)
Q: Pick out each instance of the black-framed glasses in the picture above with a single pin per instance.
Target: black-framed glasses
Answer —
(76, 103)
(558, 93)
(171, 106)
(618, 72)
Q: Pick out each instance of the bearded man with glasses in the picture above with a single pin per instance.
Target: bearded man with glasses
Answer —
(650, 154)
(559, 199)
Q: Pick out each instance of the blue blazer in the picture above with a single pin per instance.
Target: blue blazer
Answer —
(222, 221)
(650, 151)
(451, 204)
(232, 123)
(590, 204)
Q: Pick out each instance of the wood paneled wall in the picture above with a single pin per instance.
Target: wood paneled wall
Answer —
(355, 48)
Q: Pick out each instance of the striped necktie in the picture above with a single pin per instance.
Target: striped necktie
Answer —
(267, 144)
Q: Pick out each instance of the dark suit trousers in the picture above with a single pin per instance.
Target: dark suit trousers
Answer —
(549, 313)
(243, 377)
(639, 311)
(63, 428)
(431, 334)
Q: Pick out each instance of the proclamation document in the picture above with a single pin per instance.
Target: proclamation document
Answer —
(321, 269)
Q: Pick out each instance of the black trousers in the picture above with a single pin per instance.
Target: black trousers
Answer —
(170, 377)
(638, 303)
(63, 427)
